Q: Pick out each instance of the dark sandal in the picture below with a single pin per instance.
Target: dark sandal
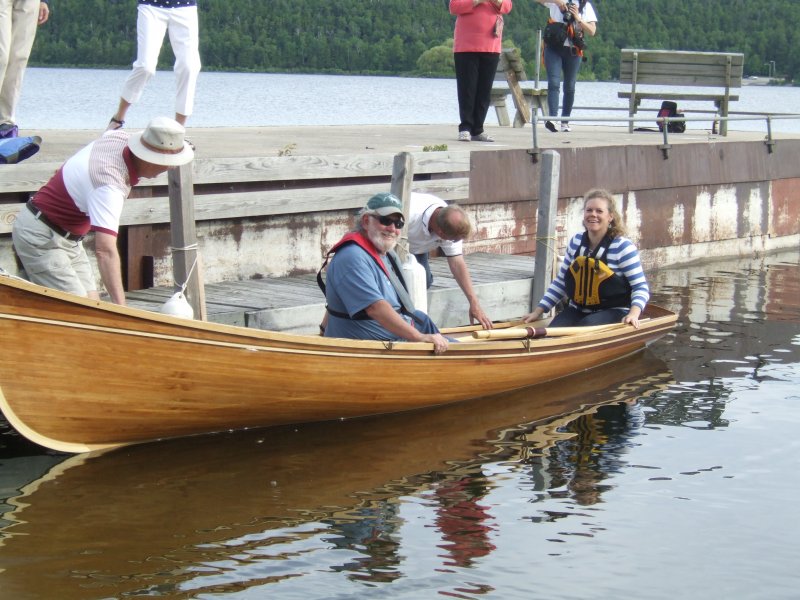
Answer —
(117, 122)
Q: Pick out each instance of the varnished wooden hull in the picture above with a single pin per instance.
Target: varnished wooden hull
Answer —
(80, 375)
(105, 526)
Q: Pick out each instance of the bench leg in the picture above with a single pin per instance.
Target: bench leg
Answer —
(723, 124)
(501, 111)
(631, 112)
(539, 102)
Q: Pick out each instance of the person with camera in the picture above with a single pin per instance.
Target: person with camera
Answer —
(564, 39)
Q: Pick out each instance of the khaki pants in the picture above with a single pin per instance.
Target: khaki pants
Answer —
(49, 259)
(18, 19)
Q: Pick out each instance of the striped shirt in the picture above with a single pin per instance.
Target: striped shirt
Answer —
(623, 259)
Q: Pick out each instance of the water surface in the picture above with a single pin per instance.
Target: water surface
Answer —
(671, 474)
(86, 99)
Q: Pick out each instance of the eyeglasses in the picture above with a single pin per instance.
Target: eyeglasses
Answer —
(386, 221)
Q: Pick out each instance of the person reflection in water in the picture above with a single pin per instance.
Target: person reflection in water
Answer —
(462, 520)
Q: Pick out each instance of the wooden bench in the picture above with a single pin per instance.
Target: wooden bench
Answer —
(524, 99)
(681, 68)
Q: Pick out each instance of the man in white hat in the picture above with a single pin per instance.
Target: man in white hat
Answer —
(86, 194)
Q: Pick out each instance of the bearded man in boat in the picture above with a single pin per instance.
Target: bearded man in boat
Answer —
(365, 293)
(87, 194)
(601, 275)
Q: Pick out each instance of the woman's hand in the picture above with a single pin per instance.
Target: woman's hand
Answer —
(632, 318)
(573, 8)
(533, 316)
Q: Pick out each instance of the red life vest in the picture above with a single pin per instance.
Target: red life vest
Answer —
(356, 237)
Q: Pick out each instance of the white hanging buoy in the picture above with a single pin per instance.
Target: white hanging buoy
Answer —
(414, 274)
(178, 306)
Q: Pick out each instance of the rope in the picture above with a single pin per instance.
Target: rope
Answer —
(548, 242)
(194, 264)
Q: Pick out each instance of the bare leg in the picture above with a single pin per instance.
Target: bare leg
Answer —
(118, 120)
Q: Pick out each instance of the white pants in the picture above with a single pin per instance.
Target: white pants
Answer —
(151, 25)
(18, 19)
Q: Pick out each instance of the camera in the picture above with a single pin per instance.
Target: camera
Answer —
(568, 16)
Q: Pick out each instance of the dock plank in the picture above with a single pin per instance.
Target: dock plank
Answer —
(295, 304)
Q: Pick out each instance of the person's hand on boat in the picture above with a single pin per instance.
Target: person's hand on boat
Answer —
(533, 316)
(476, 314)
(632, 318)
(440, 343)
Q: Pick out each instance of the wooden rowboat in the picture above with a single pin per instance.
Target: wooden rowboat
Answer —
(79, 375)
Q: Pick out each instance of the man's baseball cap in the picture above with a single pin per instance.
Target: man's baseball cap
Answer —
(385, 204)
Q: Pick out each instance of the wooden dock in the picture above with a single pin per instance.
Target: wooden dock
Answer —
(296, 304)
(263, 215)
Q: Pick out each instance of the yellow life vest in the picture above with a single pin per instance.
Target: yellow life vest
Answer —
(590, 282)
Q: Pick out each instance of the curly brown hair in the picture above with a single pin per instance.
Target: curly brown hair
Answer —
(616, 228)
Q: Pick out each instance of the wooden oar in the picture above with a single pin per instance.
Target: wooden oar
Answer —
(518, 333)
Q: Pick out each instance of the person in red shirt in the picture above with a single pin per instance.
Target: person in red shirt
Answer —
(477, 44)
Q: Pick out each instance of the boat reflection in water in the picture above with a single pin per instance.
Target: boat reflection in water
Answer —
(231, 512)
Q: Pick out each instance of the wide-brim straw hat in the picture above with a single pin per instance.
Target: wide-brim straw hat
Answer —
(163, 143)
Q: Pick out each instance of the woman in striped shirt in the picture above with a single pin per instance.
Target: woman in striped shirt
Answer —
(601, 276)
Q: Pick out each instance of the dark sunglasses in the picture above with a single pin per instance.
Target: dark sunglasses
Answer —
(386, 221)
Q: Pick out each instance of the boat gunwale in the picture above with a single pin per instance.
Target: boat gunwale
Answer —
(256, 339)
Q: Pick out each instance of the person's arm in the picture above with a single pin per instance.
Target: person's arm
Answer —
(588, 25)
(458, 267)
(44, 12)
(105, 247)
(634, 274)
(556, 291)
(382, 312)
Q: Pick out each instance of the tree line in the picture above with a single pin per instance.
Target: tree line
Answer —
(414, 37)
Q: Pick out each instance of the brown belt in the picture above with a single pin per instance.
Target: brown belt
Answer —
(39, 215)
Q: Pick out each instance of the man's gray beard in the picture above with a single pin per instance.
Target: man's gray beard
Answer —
(382, 244)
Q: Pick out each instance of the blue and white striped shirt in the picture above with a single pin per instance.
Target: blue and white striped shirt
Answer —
(622, 258)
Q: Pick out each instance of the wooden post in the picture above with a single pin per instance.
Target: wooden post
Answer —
(402, 178)
(546, 224)
(184, 239)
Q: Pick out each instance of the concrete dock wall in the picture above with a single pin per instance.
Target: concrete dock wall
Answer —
(273, 217)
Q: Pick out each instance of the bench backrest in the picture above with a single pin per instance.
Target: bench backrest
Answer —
(511, 60)
(678, 67)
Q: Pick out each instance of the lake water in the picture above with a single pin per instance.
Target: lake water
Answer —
(86, 99)
(670, 474)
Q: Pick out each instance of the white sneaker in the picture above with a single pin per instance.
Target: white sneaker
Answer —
(565, 126)
(463, 136)
(482, 137)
